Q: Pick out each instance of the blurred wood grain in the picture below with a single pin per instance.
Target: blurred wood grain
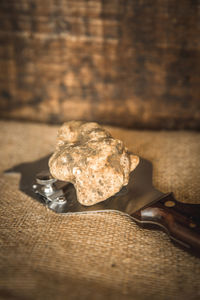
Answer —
(127, 63)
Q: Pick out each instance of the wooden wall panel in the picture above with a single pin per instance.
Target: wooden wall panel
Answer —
(128, 63)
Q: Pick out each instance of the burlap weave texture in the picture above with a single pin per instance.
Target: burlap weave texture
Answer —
(99, 256)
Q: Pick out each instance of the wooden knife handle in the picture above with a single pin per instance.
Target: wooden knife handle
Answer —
(180, 220)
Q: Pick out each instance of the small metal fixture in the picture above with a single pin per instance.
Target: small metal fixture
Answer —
(50, 190)
(47, 182)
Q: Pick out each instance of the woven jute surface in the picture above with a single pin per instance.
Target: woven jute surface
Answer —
(45, 255)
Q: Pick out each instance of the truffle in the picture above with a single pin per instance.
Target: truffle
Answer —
(89, 157)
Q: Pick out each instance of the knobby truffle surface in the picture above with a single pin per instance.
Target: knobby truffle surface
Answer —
(89, 157)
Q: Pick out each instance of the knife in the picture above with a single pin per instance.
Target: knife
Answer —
(140, 200)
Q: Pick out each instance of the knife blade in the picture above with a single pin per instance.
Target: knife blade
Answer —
(140, 200)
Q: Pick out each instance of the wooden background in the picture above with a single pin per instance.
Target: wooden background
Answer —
(132, 63)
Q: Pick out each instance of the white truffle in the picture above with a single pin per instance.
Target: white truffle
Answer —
(87, 156)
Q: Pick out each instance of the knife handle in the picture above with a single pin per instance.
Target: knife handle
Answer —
(180, 220)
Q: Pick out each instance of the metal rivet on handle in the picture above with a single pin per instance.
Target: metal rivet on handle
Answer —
(192, 225)
(170, 203)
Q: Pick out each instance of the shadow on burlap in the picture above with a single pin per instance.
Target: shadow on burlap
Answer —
(98, 256)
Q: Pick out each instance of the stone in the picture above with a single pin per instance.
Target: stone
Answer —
(89, 157)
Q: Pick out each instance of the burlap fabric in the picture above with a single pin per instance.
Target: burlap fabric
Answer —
(98, 256)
